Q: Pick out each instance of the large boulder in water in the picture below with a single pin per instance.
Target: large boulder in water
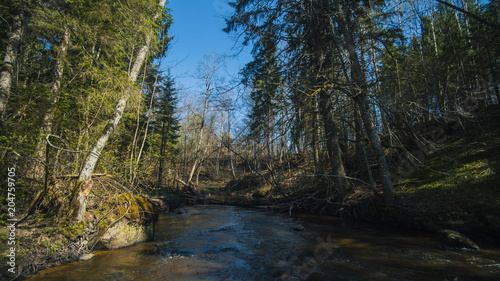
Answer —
(451, 239)
(135, 222)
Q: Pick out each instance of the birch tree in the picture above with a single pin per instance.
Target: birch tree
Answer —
(84, 183)
(11, 53)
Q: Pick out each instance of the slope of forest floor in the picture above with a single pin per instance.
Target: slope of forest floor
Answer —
(457, 188)
(453, 185)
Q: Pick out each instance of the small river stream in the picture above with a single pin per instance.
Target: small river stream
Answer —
(232, 243)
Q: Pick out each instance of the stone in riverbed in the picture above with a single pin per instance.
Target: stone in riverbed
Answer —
(135, 222)
(126, 233)
(298, 227)
(87, 257)
(451, 239)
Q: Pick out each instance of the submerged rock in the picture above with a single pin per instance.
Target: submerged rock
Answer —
(87, 257)
(451, 239)
(298, 227)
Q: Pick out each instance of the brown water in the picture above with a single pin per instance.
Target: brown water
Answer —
(233, 243)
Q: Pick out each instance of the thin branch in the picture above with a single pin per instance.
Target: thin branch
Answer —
(476, 17)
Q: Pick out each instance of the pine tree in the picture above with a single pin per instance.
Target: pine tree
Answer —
(263, 77)
(166, 123)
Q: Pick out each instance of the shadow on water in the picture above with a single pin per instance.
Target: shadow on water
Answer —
(233, 243)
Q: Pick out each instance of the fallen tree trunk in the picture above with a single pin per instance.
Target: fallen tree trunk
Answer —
(190, 188)
(74, 176)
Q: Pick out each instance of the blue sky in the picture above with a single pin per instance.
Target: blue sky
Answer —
(197, 31)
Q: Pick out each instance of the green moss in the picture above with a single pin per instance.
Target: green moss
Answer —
(72, 232)
(3, 237)
(462, 163)
(138, 207)
(457, 187)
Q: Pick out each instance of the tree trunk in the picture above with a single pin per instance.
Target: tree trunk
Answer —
(208, 84)
(315, 134)
(162, 154)
(149, 119)
(78, 203)
(229, 143)
(91, 161)
(332, 143)
(361, 98)
(221, 144)
(269, 140)
(431, 16)
(6, 74)
(46, 127)
(361, 145)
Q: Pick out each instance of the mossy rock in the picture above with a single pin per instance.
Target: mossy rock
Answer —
(137, 208)
(126, 233)
(133, 222)
(451, 239)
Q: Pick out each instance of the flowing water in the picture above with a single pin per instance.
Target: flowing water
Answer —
(232, 243)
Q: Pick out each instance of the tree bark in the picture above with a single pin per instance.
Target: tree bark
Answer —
(229, 143)
(221, 144)
(315, 133)
(162, 154)
(269, 141)
(6, 74)
(361, 145)
(46, 127)
(208, 89)
(332, 143)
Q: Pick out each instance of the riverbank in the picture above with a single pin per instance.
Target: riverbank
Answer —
(115, 218)
(453, 185)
